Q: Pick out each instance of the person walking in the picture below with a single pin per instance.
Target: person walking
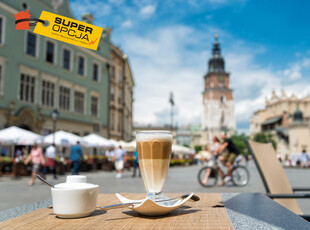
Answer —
(304, 159)
(228, 159)
(50, 154)
(36, 156)
(135, 164)
(119, 160)
(76, 155)
(109, 153)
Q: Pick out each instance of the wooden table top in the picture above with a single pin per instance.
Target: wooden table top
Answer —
(213, 211)
(208, 213)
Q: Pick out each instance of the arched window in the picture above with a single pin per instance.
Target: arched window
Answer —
(222, 99)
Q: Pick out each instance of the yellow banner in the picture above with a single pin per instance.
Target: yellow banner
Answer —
(69, 30)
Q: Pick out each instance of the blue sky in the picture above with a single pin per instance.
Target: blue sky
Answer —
(266, 45)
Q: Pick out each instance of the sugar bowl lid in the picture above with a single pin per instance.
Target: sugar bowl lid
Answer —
(76, 182)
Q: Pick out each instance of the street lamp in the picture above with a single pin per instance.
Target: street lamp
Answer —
(171, 101)
(55, 114)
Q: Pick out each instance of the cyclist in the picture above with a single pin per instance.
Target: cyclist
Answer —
(212, 161)
(228, 159)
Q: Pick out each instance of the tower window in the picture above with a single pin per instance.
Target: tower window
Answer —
(222, 99)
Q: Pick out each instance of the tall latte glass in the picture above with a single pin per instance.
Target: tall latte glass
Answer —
(154, 152)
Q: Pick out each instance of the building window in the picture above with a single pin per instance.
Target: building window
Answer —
(66, 62)
(27, 88)
(1, 30)
(78, 102)
(31, 44)
(113, 72)
(81, 65)
(119, 123)
(120, 77)
(95, 72)
(119, 98)
(96, 128)
(112, 94)
(94, 106)
(64, 98)
(50, 52)
(1, 80)
(222, 99)
(47, 96)
(112, 121)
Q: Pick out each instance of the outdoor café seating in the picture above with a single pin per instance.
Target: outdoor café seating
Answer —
(274, 178)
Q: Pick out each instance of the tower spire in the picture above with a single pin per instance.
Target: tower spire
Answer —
(216, 36)
(216, 63)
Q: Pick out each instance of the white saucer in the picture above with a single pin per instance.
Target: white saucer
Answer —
(150, 208)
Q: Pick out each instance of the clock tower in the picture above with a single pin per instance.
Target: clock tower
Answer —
(218, 102)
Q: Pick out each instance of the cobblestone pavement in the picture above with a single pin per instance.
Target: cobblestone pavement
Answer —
(16, 192)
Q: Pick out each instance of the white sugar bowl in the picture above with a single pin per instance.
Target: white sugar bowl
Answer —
(75, 198)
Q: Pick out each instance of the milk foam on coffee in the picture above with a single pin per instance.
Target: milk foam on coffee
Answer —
(154, 151)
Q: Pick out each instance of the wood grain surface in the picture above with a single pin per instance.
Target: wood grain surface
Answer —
(208, 213)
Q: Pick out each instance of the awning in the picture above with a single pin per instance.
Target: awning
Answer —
(272, 120)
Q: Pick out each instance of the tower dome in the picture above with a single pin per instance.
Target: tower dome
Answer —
(216, 63)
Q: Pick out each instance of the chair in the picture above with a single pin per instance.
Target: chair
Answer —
(274, 178)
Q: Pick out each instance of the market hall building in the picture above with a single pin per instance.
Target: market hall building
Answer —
(39, 75)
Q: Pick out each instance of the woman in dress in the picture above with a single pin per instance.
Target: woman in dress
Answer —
(212, 161)
(37, 158)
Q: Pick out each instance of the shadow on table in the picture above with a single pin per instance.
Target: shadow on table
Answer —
(263, 212)
(178, 212)
(184, 210)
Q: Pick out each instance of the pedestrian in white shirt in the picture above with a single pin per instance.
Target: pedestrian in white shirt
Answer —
(50, 154)
(119, 159)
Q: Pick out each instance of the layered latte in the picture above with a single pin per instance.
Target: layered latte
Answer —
(154, 151)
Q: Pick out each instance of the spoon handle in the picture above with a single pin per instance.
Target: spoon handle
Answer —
(43, 180)
(113, 206)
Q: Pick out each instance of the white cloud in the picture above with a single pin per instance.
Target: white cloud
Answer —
(127, 24)
(293, 72)
(147, 11)
(162, 63)
(306, 62)
(97, 8)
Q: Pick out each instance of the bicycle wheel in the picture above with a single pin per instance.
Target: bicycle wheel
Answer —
(212, 180)
(240, 176)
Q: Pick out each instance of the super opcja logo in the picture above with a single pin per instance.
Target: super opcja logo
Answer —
(72, 29)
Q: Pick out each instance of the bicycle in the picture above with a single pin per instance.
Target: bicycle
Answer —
(240, 175)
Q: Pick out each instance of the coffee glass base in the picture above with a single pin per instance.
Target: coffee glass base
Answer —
(157, 196)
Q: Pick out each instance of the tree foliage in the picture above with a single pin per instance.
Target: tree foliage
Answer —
(198, 148)
(265, 138)
(239, 141)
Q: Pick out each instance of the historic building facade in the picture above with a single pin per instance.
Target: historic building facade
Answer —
(128, 101)
(121, 96)
(287, 118)
(218, 102)
(39, 75)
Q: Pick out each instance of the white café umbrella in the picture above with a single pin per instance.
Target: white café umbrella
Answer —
(94, 140)
(16, 135)
(181, 149)
(62, 138)
(115, 143)
(130, 146)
